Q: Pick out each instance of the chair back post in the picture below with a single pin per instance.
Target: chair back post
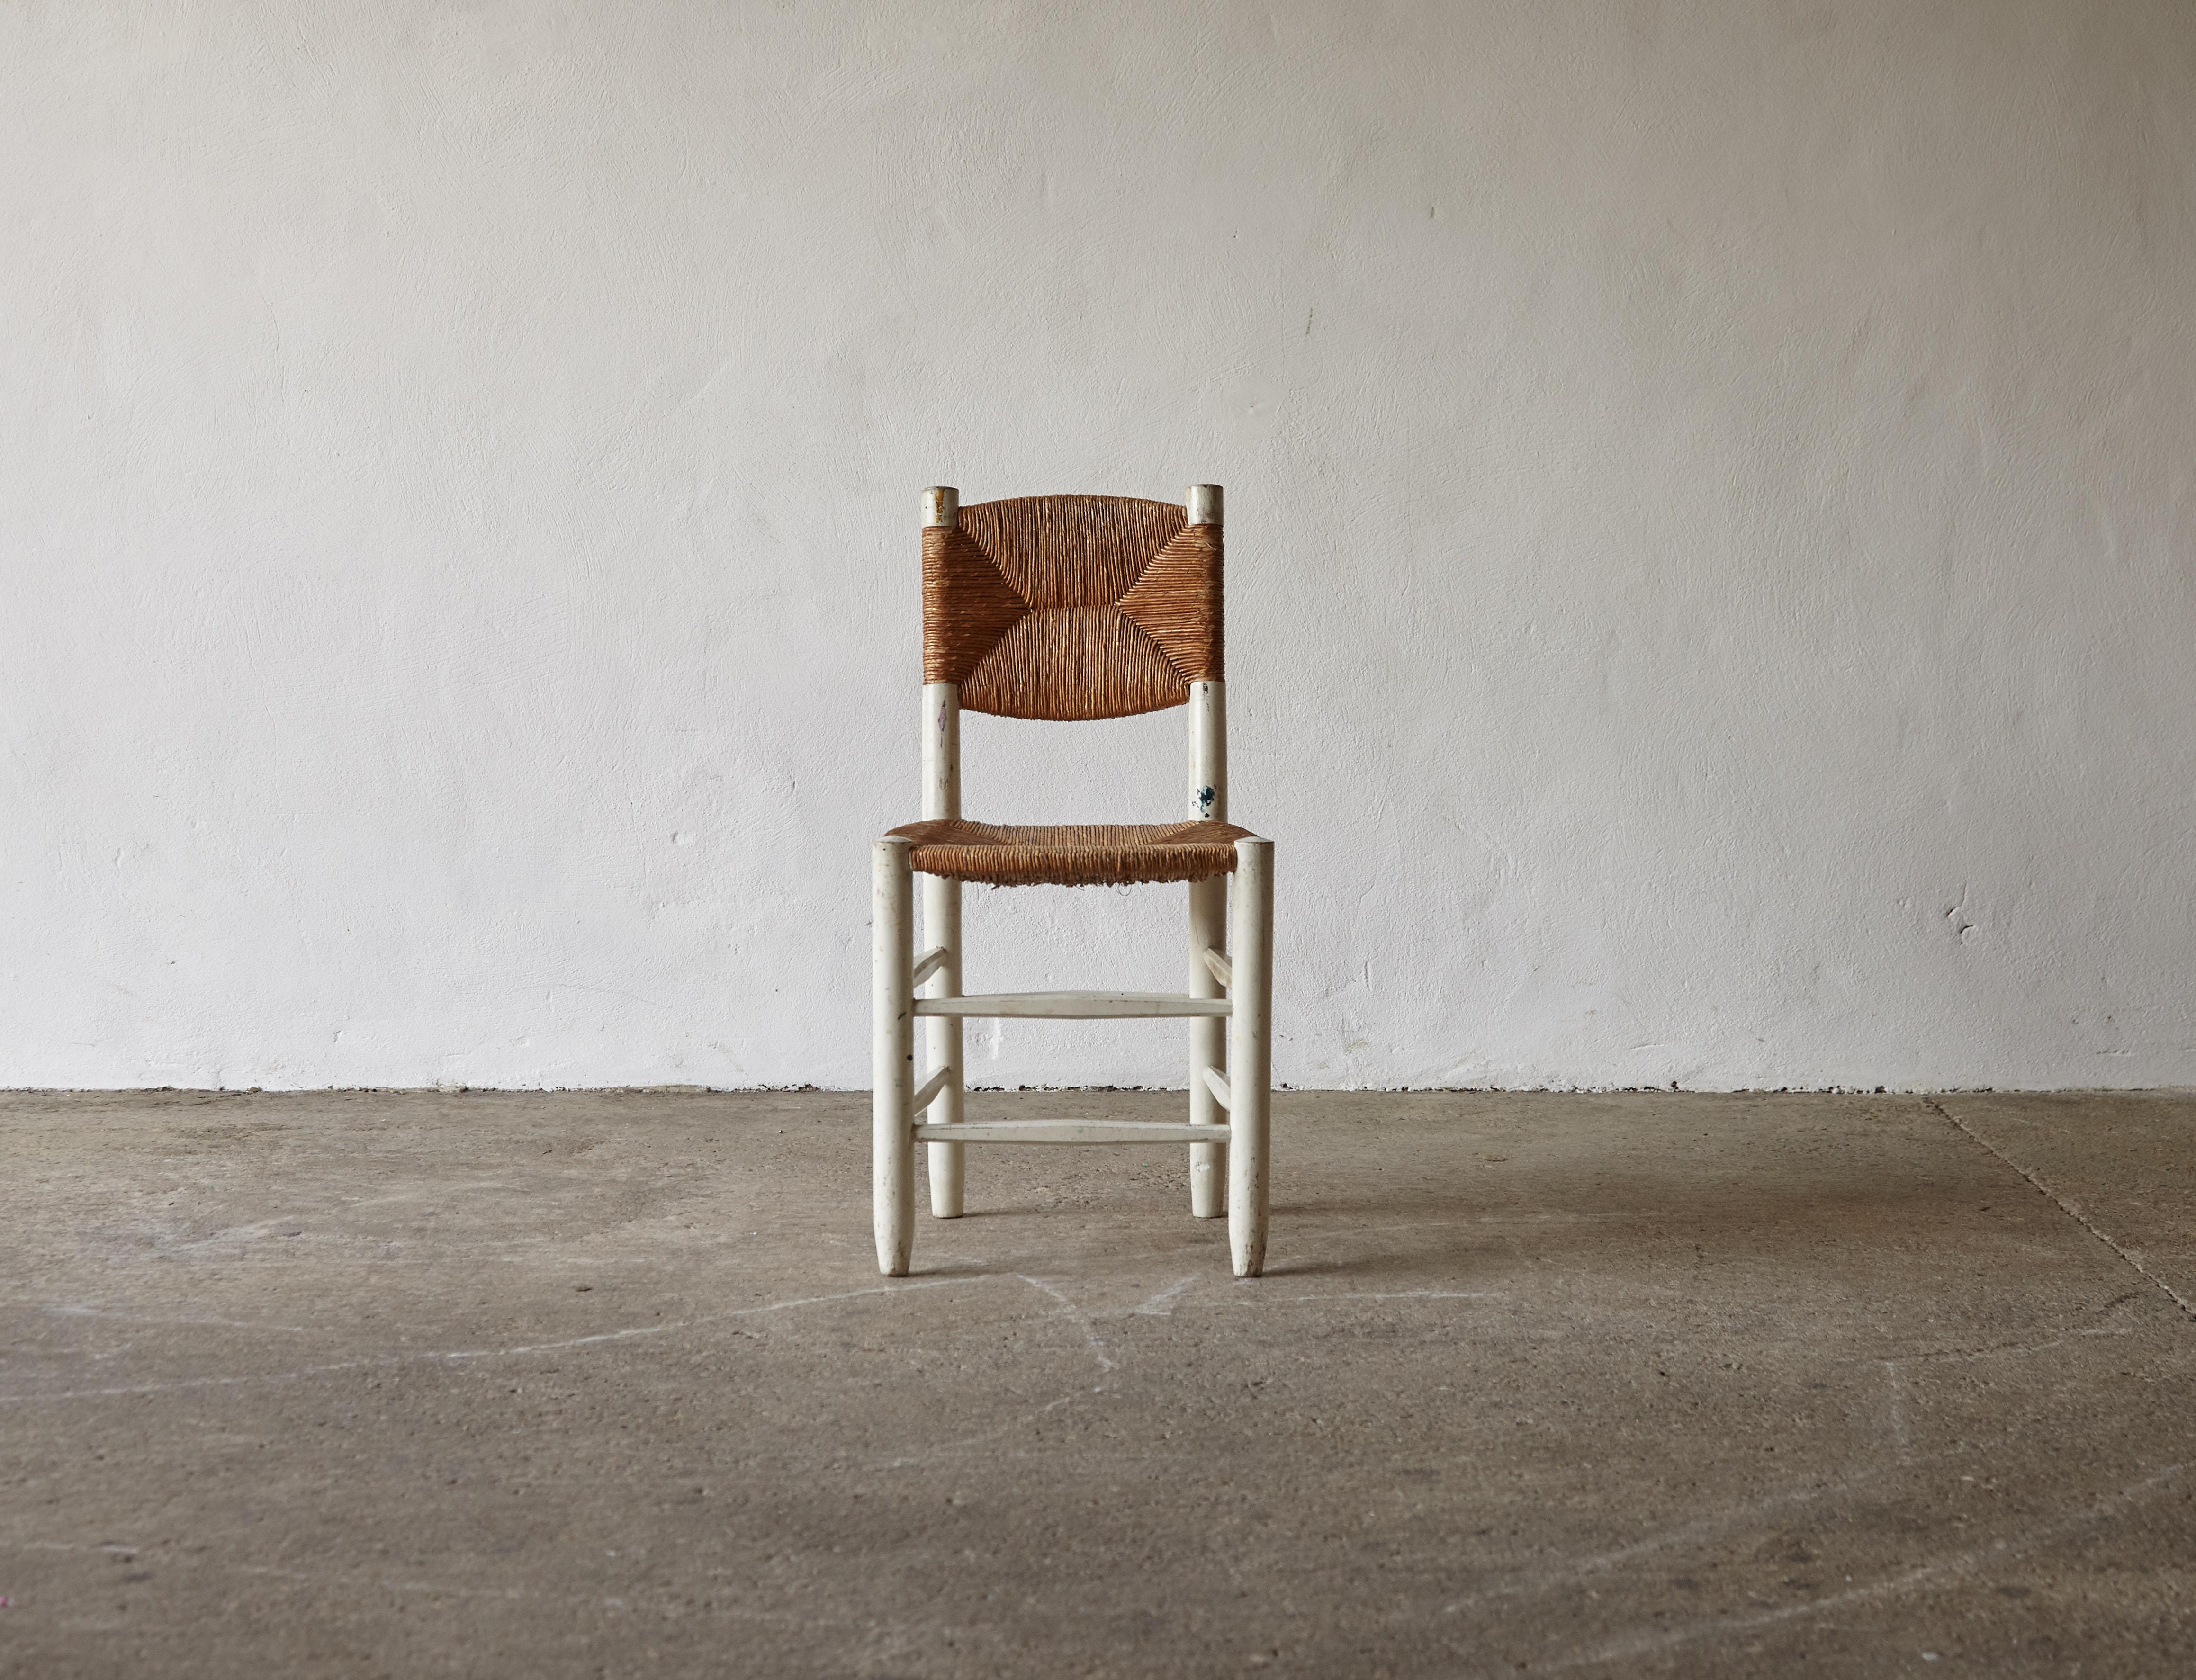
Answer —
(1208, 703)
(941, 904)
(941, 701)
(1208, 910)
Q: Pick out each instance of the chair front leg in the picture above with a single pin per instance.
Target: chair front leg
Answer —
(1249, 1055)
(892, 1053)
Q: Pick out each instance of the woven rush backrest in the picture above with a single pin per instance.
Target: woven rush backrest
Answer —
(1063, 607)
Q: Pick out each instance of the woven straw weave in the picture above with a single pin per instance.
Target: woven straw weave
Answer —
(1065, 607)
(1071, 854)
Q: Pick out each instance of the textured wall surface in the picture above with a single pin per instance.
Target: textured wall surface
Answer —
(1711, 526)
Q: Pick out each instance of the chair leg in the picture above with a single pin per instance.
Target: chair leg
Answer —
(1251, 1055)
(1208, 1046)
(892, 1053)
(941, 925)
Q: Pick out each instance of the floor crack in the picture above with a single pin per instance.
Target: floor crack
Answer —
(2068, 1207)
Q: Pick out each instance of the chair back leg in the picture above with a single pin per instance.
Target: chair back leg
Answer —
(1208, 1046)
(1208, 912)
(1249, 1055)
(892, 1053)
(941, 929)
(941, 909)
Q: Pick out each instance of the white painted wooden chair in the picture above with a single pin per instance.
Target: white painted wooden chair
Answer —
(1070, 607)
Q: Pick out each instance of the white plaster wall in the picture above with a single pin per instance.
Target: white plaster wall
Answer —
(1712, 493)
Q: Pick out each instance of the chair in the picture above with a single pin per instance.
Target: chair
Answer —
(1073, 607)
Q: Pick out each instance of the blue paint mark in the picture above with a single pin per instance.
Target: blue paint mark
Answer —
(1205, 798)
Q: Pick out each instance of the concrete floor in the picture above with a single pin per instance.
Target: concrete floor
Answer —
(521, 1385)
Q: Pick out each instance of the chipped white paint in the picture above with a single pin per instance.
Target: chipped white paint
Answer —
(941, 505)
(1711, 497)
